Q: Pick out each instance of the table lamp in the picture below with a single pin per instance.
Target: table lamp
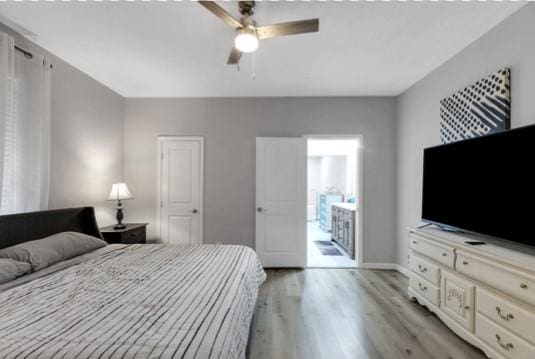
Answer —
(119, 191)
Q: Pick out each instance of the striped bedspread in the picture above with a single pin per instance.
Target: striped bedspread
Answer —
(139, 301)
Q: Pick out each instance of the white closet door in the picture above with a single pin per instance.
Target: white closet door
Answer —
(281, 201)
(181, 190)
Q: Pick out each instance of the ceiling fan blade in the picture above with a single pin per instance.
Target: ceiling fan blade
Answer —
(234, 57)
(288, 28)
(221, 13)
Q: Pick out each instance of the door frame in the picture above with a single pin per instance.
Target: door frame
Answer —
(359, 186)
(159, 143)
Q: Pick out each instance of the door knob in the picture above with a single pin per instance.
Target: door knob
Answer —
(194, 211)
(259, 209)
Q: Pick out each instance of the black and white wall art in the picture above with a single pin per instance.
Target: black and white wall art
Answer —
(481, 108)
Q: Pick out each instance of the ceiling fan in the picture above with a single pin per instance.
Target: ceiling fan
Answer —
(248, 33)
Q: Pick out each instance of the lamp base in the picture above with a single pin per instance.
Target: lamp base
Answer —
(119, 216)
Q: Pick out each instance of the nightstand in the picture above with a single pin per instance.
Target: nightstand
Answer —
(132, 234)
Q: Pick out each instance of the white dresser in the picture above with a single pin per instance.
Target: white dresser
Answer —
(484, 293)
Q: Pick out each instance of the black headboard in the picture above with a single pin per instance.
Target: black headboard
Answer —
(24, 227)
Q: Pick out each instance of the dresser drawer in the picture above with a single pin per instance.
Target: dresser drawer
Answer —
(424, 288)
(502, 340)
(507, 314)
(508, 280)
(425, 269)
(435, 251)
(133, 233)
(135, 236)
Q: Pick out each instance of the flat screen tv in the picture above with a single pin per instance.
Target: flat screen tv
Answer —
(484, 185)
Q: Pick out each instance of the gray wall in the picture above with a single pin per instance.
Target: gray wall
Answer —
(87, 142)
(510, 44)
(230, 127)
(86, 138)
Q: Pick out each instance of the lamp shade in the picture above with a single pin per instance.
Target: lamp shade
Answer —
(119, 191)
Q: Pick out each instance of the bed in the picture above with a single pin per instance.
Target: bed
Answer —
(126, 301)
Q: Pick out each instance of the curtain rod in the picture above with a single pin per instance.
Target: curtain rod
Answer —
(28, 54)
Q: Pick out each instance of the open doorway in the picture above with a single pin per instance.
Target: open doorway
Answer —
(333, 201)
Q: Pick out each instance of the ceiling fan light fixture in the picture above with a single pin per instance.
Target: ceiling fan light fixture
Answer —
(248, 34)
(246, 39)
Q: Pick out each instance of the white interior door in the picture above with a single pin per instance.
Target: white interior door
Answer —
(281, 201)
(181, 189)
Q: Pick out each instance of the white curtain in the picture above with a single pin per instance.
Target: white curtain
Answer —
(24, 129)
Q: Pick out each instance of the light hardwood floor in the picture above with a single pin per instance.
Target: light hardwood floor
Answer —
(347, 313)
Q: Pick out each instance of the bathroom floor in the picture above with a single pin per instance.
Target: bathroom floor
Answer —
(318, 260)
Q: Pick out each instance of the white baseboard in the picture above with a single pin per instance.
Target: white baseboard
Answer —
(378, 266)
(403, 270)
(390, 266)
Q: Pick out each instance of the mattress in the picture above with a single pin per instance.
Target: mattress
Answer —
(138, 301)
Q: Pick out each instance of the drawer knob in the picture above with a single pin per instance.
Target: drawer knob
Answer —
(422, 269)
(507, 317)
(523, 286)
(504, 346)
(444, 254)
(467, 307)
(465, 263)
(414, 242)
(422, 287)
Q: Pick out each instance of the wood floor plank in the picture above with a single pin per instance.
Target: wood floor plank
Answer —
(262, 341)
(293, 288)
(347, 313)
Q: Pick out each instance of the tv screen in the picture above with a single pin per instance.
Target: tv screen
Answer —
(484, 185)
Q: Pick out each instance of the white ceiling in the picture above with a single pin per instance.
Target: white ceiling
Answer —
(179, 49)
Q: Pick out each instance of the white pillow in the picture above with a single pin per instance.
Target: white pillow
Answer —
(44, 252)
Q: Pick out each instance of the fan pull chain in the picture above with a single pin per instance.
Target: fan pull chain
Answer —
(253, 75)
